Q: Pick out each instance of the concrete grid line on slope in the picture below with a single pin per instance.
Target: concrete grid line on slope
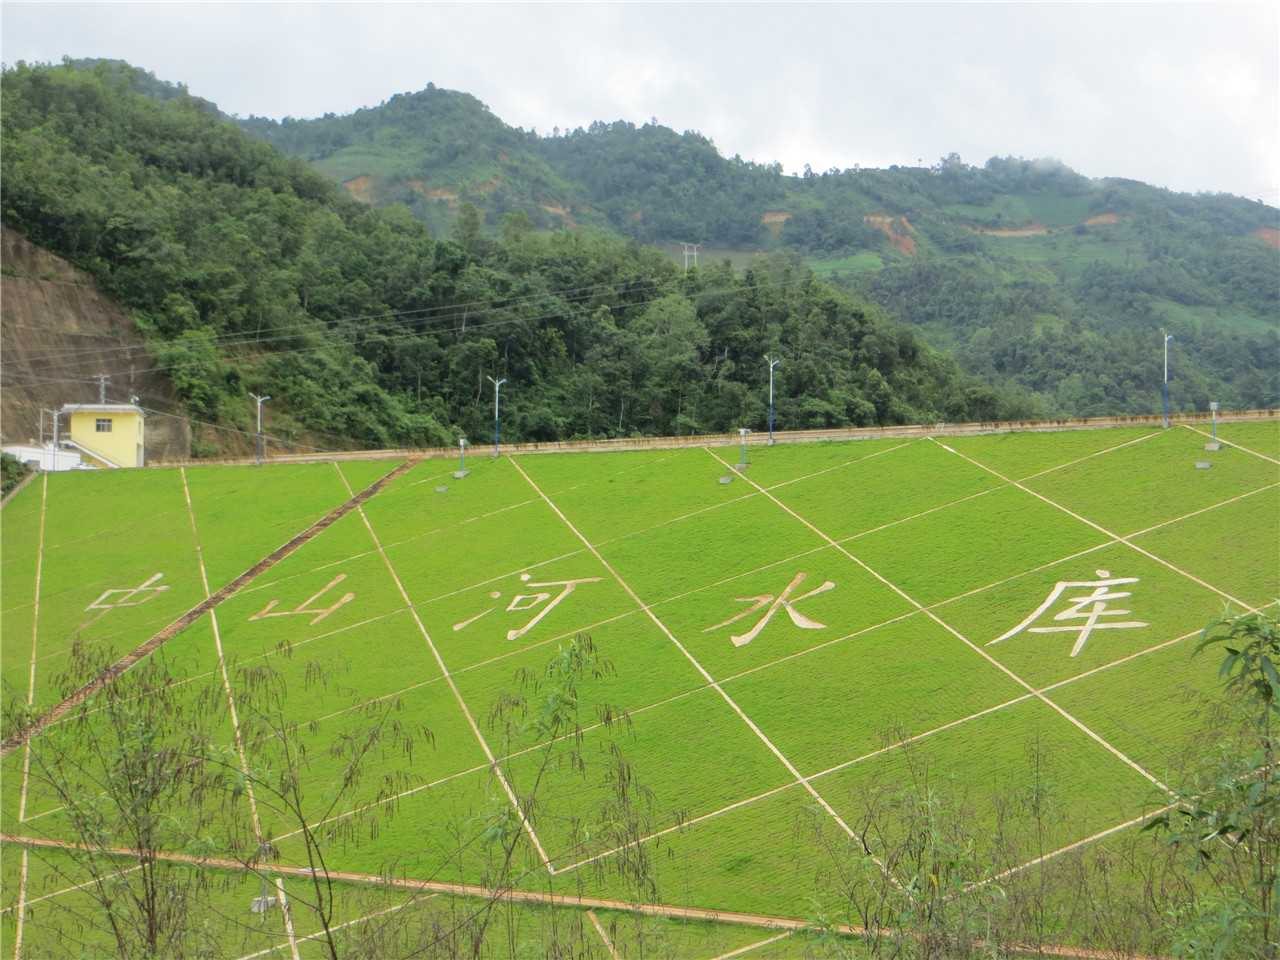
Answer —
(250, 792)
(340, 926)
(31, 692)
(841, 466)
(841, 766)
(536, 897)
(804, 553)
(268, 584)
(453, 686)
(195, 613)
(957, 634)
(1134, 654)
(1101, 529)
(827, 470)
(885, 526)
(603, 936)
(195, 677)
(717, 506)
(1200, 430)
(890, 747)
(1099, 453)
(837, 640)
(799, 778)
(15, 908)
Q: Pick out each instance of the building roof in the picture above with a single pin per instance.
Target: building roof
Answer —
(102, 408)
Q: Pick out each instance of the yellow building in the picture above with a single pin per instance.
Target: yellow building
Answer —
(106, 434)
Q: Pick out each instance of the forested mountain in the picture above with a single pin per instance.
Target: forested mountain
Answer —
(250, 272)
(1051, 284)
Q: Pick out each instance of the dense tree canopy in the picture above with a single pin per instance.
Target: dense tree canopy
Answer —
(250, 272)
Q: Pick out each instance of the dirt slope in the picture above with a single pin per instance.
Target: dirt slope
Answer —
(57, 334)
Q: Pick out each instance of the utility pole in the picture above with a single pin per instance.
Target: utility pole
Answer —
(497, 385)
(690, 248)
(261, 401)
(102, 388)
(772, 363)
(1167, 338)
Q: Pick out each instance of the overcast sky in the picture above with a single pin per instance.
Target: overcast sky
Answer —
(1181, 95)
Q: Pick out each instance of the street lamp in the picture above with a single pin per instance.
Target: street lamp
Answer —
(497, 385)
(263, 903)
(772, 364)
(261, 401)
(462, 467)
(1167, 338)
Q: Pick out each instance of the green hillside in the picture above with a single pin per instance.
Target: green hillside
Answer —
(1018, 289)
(252, 273)
(983, 259)
(789, 677)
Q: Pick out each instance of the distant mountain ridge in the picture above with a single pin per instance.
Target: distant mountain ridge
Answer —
(252, 268)
(1004, 264)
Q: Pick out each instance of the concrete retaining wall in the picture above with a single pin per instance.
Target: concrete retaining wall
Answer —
(756, 439)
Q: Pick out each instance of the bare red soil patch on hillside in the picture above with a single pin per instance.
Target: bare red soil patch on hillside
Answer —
(897, 237)
(1268, 235)
(361, 188)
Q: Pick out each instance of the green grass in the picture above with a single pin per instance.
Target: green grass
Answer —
(884, 489)
(1152, 708)
(1231, 546)
(707, 547)
(627, 496)
(1011, 212)
(1263, 438)
(1057, 211)
(1240, 321)
(838, 703)
(1168, 602)
(243, 513)
(759, 857)
(967, 546)
(834, 690)
(982, 768)
(1139, 486)
(707, 619)
(1018, 456)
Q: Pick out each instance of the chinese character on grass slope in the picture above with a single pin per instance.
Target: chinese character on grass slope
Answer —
(305, 606)
(529, 601)
(782, 600)
(129, 597)
(1085, 609)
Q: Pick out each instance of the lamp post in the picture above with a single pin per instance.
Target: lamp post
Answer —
(772, 364)
(497, 385)
(261, 401)
(462, 466)
(1167, 338)
(263, 903)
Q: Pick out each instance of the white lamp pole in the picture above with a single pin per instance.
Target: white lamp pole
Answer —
(261, 401)
(1167, 338)
(497, 385)
(772, 364)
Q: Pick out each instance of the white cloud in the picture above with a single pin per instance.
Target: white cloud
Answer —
(1181, 95)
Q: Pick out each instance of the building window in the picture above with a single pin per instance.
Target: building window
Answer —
(102, 425)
